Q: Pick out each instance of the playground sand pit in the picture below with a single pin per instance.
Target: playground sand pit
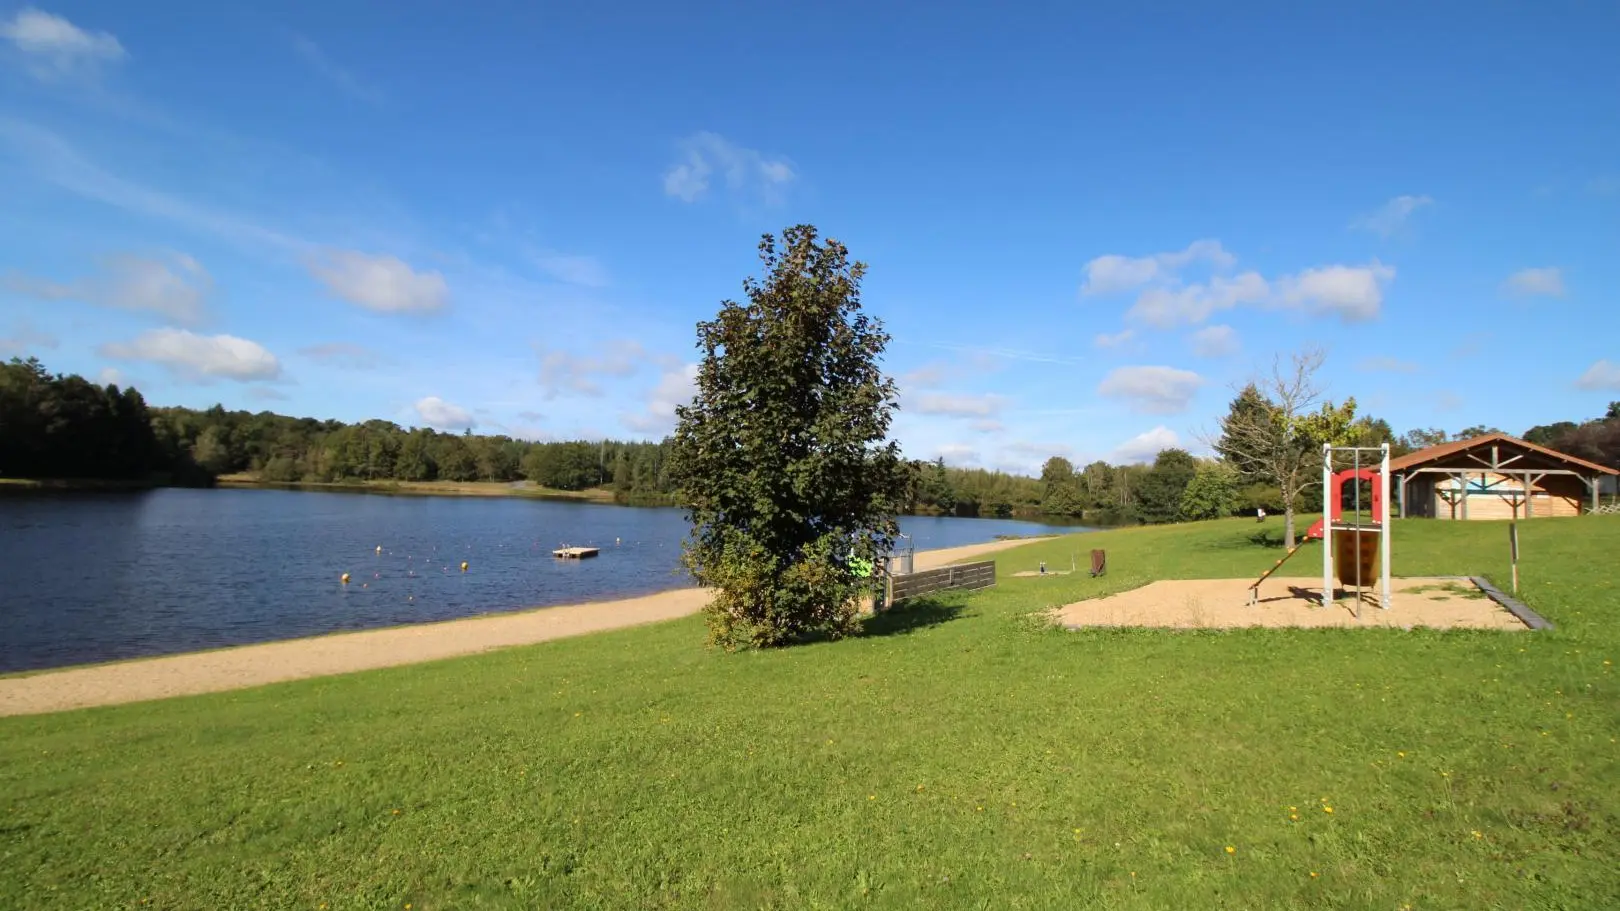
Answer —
(1441, 603)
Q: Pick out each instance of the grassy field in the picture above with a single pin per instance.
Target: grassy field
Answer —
(961, 755)
(431, 488)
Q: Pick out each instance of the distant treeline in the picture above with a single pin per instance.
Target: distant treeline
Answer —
(55, 426)
(67, 427)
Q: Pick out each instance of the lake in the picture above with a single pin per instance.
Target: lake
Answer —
(97, 577)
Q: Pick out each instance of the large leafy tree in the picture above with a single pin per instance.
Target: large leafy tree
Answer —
(781, 458)
(1159, 493)
(1060, 490)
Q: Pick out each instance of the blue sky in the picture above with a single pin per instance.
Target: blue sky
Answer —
(1083, 227)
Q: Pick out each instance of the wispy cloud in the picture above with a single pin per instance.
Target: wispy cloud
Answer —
(570, 268)
(343, 79)
(1547, 281)
(174, 286)
(1604, 375)
(564, 371)
(58, 162)
(1215, 341)
(747, 174)
(1104, 340)
(960, 405)
(1393, 216)
(25, 338)
(51, 48)
(343, 355)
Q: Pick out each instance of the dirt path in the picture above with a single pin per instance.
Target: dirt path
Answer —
(293, 659)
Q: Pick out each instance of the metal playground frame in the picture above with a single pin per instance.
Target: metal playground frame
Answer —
(1377, 521)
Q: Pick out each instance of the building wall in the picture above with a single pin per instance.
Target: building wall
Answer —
(1554, 495)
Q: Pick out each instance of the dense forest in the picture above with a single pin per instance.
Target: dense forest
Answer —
(56, 426)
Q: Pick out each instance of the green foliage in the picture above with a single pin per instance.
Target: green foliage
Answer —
(1211, 494)
(55, 426)
(956, 757)
(1159, 493)
(1549, 434)
(781, 458)
(1060, 495)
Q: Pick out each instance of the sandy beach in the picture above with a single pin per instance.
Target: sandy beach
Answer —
(341, 653)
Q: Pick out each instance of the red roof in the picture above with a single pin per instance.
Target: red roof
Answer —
(1423, 456)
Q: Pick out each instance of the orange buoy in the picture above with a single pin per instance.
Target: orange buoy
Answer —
(345, 579)
(463, 565)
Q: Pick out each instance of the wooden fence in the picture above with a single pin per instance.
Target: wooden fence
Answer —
(965, 575)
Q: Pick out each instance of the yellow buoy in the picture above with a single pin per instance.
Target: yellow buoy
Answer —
(345, 578)
(463, 565)
(379, 550)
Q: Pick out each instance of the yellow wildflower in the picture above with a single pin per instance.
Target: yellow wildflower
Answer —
(1327, 809)
(1231, 850)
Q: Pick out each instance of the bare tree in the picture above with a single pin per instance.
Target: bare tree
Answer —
(1276, 427)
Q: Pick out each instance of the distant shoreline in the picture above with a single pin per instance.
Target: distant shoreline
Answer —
(429, 488)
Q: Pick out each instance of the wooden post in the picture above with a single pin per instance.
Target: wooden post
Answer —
(1529, 498)
(1513, 548)
(1595, 483)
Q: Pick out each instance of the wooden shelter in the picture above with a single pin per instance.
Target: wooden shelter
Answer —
(1495, 476)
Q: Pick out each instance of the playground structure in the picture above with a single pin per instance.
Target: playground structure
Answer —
(1361, 537)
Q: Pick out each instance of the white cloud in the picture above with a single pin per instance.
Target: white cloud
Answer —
(53, 48)
(988, 425)
(1543, 282)
(173, 286)
(1353, 293)
(561, 371)
(441, 415)
(956, 405)
(571, 268)
(343, 355)
(1113, 274)
(198, 357)
(346, 82)
(1605, 374)
(1104, 340)
(1152, 390)
(1166, 307)
(24, 339)
(676, 387)
(1145, 446)
(1215, 341)
(381, 283)
(112, 376)
(746, 172)
(1386, 365)
(958, 454)
(1392, 216)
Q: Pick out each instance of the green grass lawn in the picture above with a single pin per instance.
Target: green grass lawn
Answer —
(959, 756)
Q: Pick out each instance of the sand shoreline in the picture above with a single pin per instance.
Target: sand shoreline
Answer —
(243, 666)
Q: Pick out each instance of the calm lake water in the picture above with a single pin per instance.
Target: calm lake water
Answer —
(92, 577)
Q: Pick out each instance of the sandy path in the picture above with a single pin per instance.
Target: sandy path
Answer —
(340, 653)
(1224, 604)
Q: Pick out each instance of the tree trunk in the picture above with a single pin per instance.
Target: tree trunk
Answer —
(1288, 526)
